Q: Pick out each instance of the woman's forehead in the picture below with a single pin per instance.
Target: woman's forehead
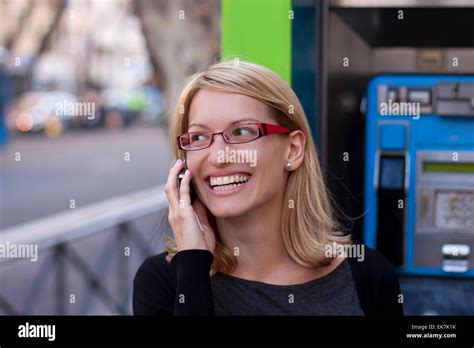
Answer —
(218, 109)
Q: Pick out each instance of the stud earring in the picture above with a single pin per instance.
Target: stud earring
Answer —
(289, 166)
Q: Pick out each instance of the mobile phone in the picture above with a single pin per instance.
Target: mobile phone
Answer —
(192, 193)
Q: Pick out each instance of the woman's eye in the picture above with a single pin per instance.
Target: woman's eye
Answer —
(241, 131)
(197, 137)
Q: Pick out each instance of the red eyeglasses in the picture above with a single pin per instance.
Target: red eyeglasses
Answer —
(239, 134)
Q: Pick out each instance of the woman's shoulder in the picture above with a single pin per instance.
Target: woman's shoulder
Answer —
(158, 260)
(154, 268)
(376, 282)
(157, 280)
(373, 259)
(157, 268)
(370, 263)
(154, 287)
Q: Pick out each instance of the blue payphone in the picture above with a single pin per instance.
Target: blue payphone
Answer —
(419, 173)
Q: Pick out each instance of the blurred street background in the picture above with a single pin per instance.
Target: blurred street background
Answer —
(85, 86)
(127, 60)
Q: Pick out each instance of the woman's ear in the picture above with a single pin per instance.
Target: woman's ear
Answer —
(295, 150)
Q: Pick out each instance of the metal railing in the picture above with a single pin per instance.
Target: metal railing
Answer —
(56, 235)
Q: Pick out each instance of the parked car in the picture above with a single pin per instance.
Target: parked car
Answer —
(40, 112)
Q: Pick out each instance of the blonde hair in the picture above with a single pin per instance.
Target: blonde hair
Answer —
(308, 227)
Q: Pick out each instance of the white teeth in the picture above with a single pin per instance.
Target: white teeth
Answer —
(225, 180)
(227, 187)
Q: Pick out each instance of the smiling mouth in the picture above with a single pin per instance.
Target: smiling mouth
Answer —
(227, 183)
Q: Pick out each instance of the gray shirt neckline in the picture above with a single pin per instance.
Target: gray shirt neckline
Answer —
(300, 286)
(331, 294)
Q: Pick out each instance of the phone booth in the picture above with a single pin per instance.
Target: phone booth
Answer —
(419, 163)
(403, 173)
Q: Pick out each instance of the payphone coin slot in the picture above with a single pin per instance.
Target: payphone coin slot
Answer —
(420, 96)
(455, 257)
(455, 99)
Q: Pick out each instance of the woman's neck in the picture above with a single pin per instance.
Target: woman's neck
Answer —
(256, 240)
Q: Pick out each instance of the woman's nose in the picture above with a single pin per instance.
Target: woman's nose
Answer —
(217, 149)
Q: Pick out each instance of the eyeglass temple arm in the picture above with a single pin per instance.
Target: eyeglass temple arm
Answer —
(274, 129)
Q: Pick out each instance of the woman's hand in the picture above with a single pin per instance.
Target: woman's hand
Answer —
(182, 215)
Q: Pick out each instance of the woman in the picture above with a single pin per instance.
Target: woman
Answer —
(259, 238)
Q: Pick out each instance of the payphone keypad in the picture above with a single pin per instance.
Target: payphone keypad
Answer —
(455, 209)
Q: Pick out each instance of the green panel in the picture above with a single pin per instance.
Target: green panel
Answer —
(448, 167)
(258, 31)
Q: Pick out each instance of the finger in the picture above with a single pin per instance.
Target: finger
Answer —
(171, 185)
(184, 190)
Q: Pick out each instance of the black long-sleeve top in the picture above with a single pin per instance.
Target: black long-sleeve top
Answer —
(184, 286)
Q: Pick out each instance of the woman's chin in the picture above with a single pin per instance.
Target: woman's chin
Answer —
(227, 210)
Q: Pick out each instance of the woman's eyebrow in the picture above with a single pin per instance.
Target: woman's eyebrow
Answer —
(230, 124)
